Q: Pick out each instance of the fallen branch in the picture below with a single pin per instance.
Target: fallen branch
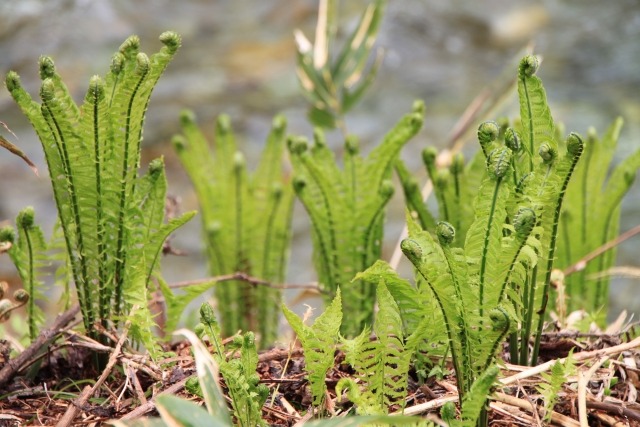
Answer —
(427, 406)
(151, 403)
(245, 278)
(583, 381)
(612, 408)
(526, 405)
(582, 263)
(43, 340)
(578, 357)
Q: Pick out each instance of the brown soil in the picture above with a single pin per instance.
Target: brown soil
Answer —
(51, 388)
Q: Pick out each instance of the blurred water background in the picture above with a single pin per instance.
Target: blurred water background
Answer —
(238, 58)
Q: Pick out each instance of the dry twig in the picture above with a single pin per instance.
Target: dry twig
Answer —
(44, 339)
(87, 392)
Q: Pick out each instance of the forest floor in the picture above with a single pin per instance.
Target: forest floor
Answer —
(56, 384)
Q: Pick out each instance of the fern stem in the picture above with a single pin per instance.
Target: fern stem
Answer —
(120, 246)
(602, 261)
(485, 245)
(81, 278)
(575, 148)
(465, 343)
(332, 256)
(102, 284)
(530, 291)
(31, 287)
(530, 117)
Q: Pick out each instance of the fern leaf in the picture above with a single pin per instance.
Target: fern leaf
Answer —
(553, 382)
(414, 197)
(474, 402)
(535, 116)
(484, 236)
(318, 342)
(430, 262)
(410, 302)
(28, 255)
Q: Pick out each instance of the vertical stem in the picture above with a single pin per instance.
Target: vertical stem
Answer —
(124, 187)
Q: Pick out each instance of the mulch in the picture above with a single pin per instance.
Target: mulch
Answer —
(57, 385)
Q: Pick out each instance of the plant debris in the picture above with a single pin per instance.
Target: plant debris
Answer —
(53, 381)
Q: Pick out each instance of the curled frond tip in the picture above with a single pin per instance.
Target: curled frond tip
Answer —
(171, 40)
(528, 66)
(47, 67)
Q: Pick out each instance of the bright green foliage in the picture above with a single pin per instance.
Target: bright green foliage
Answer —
(334, 85)
(239, 373)
(591, 217)
(381, 365)
(346, 208)
(474, 335)
(509, 235)
(111, 219)
(28, 254)
(453, 186)
(553, 383)
(319, 342)
(472, 410)
(246, 218)
(176, 303)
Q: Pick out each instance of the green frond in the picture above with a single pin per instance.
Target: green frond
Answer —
(552, 383)
(535, 116)
(381, 364)
(411, 304)
(413, 197)
(347, 211)
(318, 342)
(474, 402)
(177, 302)
(237, 239)
(28, 254)
(93, 155)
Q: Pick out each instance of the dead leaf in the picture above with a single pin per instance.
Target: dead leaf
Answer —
(15, 150)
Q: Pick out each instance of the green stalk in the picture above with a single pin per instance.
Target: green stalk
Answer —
(120, 249)
(94, 88)
(485, 246)
(81, 279)
(602, 261)
(575, 147)
(31, 286)
(413, 251)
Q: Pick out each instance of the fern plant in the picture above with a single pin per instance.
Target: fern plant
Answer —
(591, 217)
(178, 412)
(28, 254)
(474, 333)
(319, 342)
(510, 233)
(111, 219)
(553, 381)
(246, 221)
(239, 374)
(381, 365)
(346, 208)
